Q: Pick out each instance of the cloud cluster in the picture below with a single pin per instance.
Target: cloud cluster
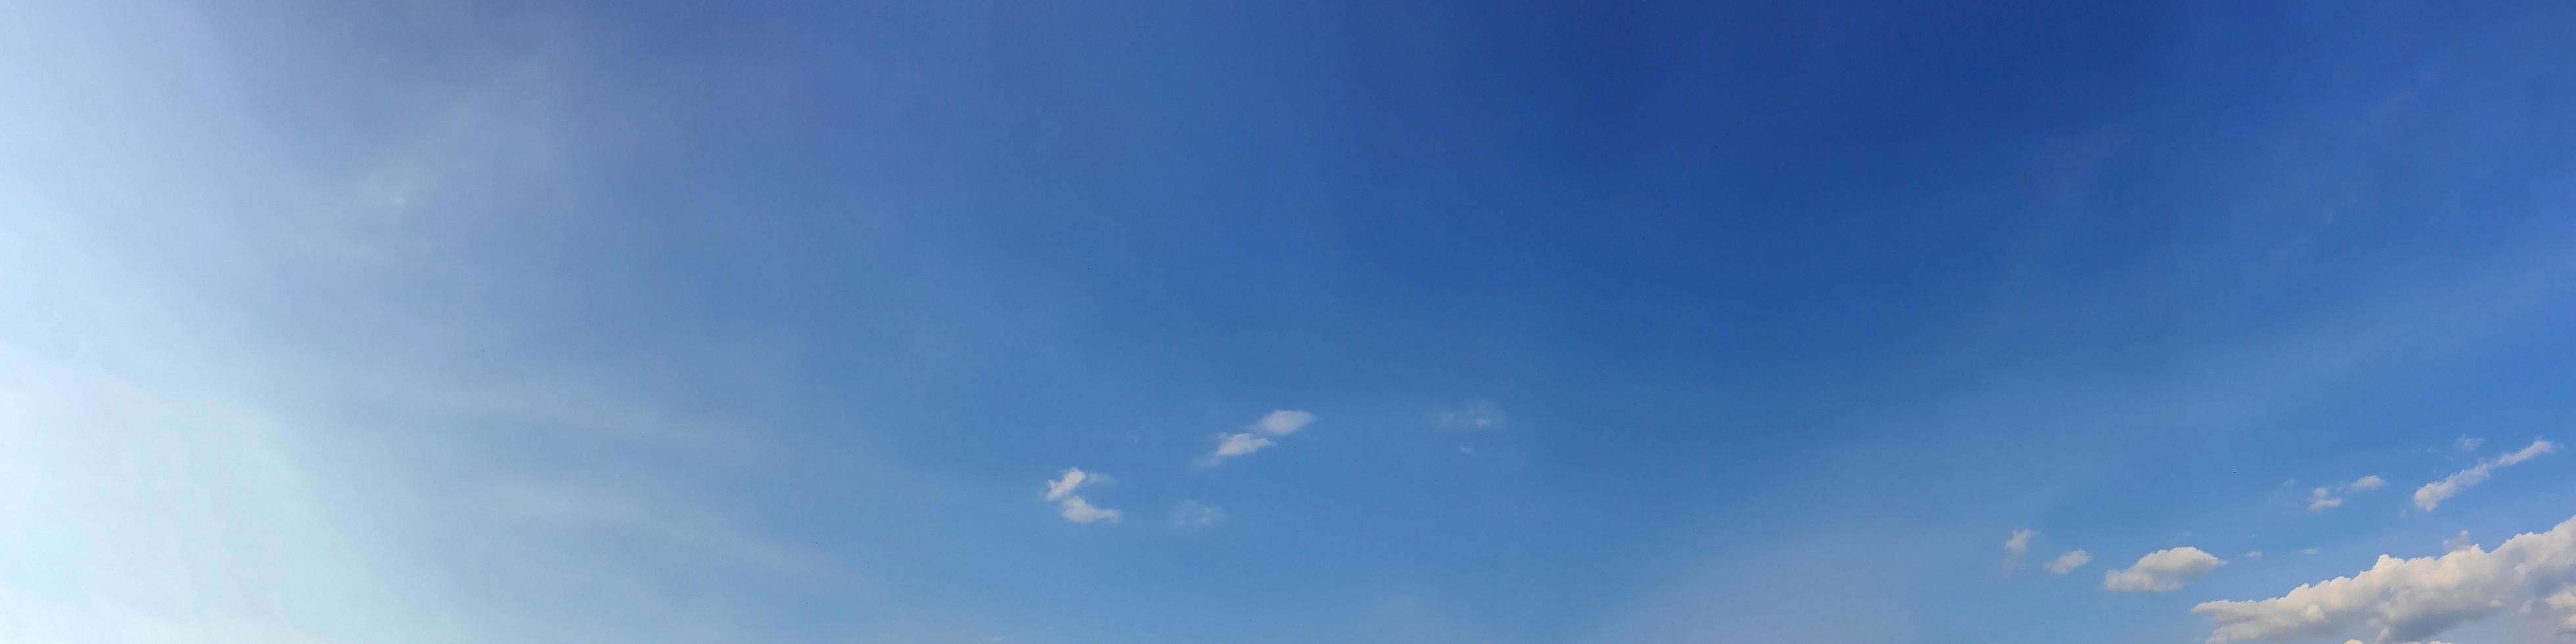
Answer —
(2412, 600)
(1074, 508)
(2322, 499)
(2433, 494)
(1277, 423)
(2162, 571)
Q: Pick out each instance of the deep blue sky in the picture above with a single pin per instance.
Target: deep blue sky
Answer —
(1616, 322)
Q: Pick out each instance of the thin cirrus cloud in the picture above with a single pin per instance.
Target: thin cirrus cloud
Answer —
(1060, 491)
(2162, 571)
(1258, 436)
(2433, 494)
(2068, 562)
(2410, 600)
(2322, 499)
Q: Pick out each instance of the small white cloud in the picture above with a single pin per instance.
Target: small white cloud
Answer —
(2458, 542)
(1475, 414)
(2366, 483)
(2433, 494)
(2068, 562)
(2162, 571)
(2411, 600)
(1277, 423)
(1081, 511)
(2017, 547)
(1192, 514)
(1284, 422)
(2466, 443)
(1064, 485)
(1465, 450)
(2254, 556)
(1240, 444)
(2318, 501)
(2307, 551)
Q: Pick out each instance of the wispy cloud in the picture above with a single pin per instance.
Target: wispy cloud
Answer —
(2433, 494)
(2068, 562)
(2322, 499)
(1060, 491)
(2162, 571)
(1473, 414)
(2017, 547)
(1193, 514)
(1257, 437)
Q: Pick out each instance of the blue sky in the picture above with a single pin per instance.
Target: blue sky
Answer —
(1415, 323)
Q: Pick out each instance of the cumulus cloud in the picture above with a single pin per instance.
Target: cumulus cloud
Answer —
(2433, 494)
(1060, 491)
(2319, 501)
(2410, 600)
(1256, 438)
(2458, 542)
(2366, 483)
(2162, 571)
(2068, 562)
(1081, 511)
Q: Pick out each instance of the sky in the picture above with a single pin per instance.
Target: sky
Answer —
(1017, 322)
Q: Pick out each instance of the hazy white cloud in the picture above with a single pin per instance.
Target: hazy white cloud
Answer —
(1192, 514)
(1240, 444)
(2319, 501)
(2068, 562)
(2256, 555)
(2409, 600)
(1474, 414)
(2162, 571)
(1063, 486)
(2322, 499)
(2458, 542)
(1081, 511)
(1060, 491)
(1284, 422)
(2433, 494)
(2466, 443)
(2307, 551)
(2017, 547)
(1278, 423)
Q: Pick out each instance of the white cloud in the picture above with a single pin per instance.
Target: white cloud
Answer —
(2307, 551)
(2318, 501)
(2017, 547)
(1080, 511)
(2467, 443)
(1063, 486)
(2162, 571)
(1240, 444)
(2068, 562)
(1278, 423)
(1475, 414)
(2408, 600)
(2322, 499)
(1284, 422)
(2433, 494)
(2256, 555)
(2019, 543)
(1076, 509)
(2458, 542)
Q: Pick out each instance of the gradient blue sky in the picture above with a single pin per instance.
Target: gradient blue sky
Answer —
(419, 321)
